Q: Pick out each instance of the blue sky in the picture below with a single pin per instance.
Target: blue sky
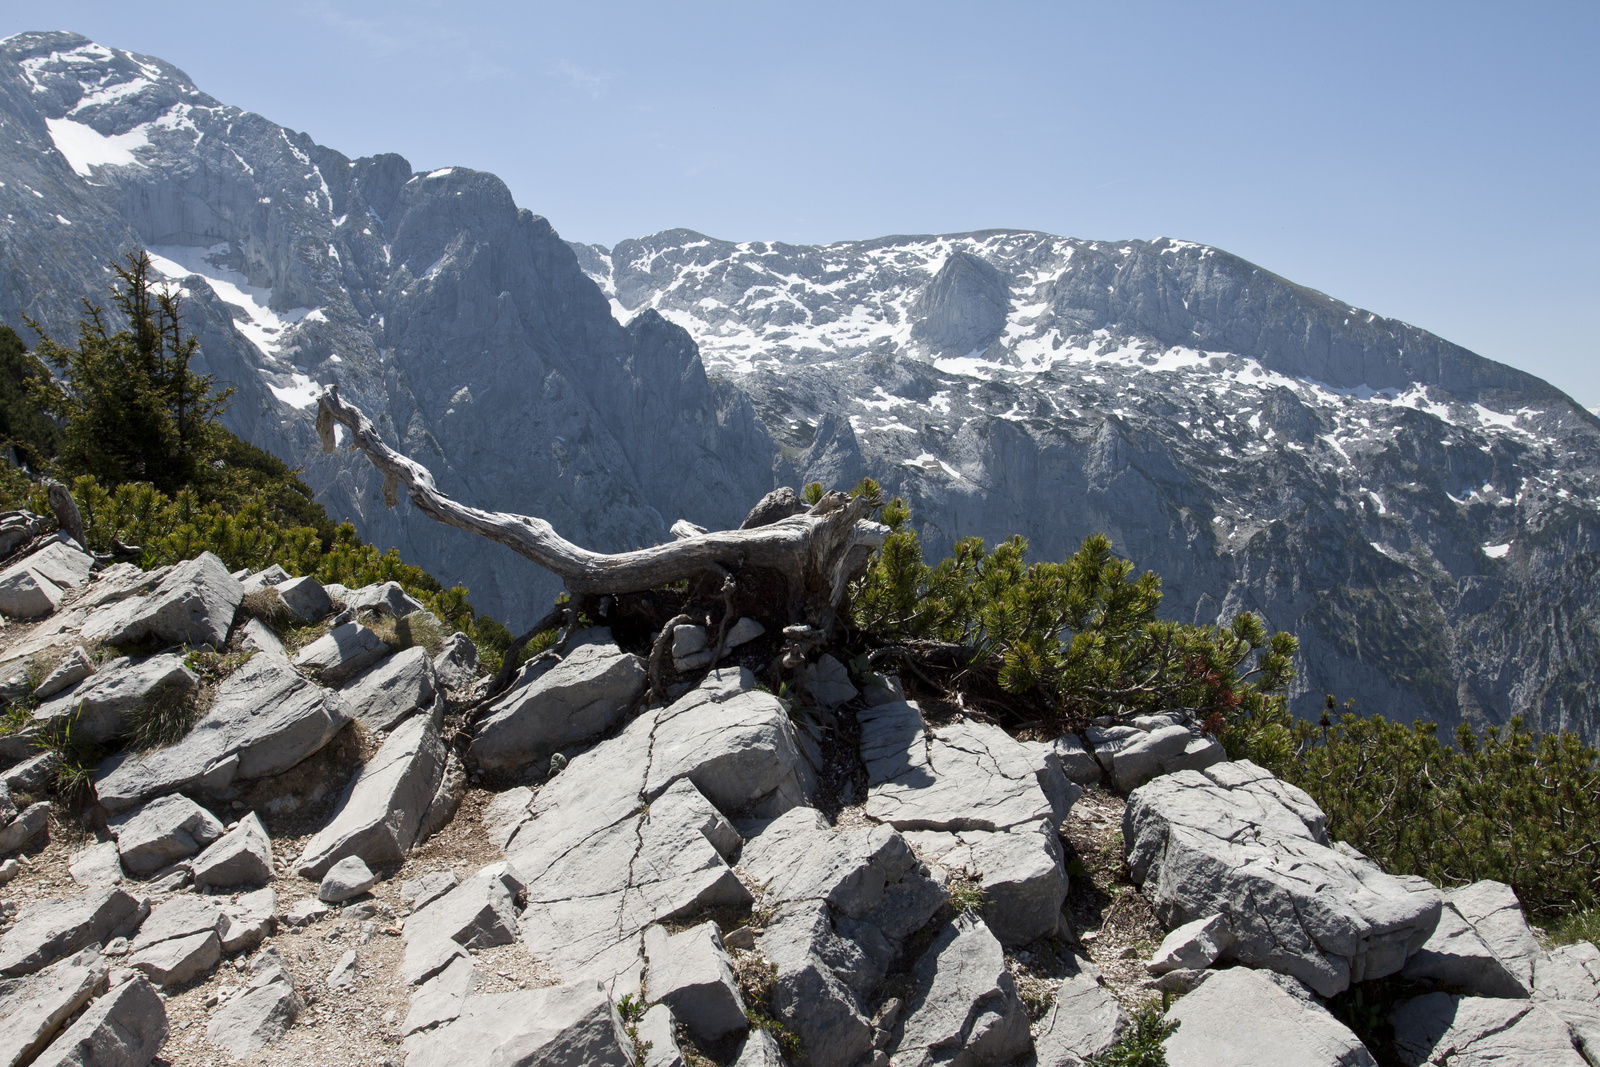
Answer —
(1439, 163)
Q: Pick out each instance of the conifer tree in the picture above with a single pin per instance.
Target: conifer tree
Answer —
(131, 407)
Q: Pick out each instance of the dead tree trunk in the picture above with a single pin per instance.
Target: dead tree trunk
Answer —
(818, 551)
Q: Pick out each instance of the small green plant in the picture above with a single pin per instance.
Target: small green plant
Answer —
(1143, 1043)
(77, 757)
(168, 713)
(212, 666)
(17, 715)
(967, 895)
(788, 1041)
(632, 1009)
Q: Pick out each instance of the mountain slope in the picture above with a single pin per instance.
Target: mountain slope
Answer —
(1423, 518)
(461, 323)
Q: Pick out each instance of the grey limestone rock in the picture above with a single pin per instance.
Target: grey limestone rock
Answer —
(267, 578)
(32, 1009)
(441, 997)
(479, 913)
(427, 956)
(1084, 1019)
(819, 981)
(69, 672)
(25, 828)
(96, 865)
(798, 856)
(1247, 1018)
(378, 817)
(1570, 972)
(265, 718)
(248, 920)
(347, 878)
(1193, 946)
(383, 598)
(305, 598)
(31, 775)
(563, 1026)
(1472, 1031)
(241, 857)
(126, 1027)
(258, 1016)
(759, 1049)
(1455, 956)
(691, 973)
(37, 584)
(257, 636)
(341, 653)
(447, 797)
(418, 893)
(658, 1030)
(827, 683)
(166, 829)
(456, 665)
(179, 940)
(98, 706)
(1205, 843)
(1024, 883)
(581, 696)
(193, 604)
(743, 632)
(964, 306)
(1496, 916)
(966, 1007)
(46, 931)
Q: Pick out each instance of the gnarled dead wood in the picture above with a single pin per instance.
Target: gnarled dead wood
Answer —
(819, 550)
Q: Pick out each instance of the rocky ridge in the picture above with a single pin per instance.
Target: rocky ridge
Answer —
(322, 867)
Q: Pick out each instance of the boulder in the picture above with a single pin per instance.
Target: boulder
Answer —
(1455, 956)
(179, 940)
(346, 879)
(37, 584)
(1023, 881)
(456, 665)
(1495, 914)
(387, 693)
(74, 668)
(193, 605)
(1138, 759)
(826, 683)
(344, 971)
(1194, 946)
(241, 857)
(32, 1009)
(378, 816)
(265, 579)
(47, 931)
(691, 973)
(479, 913)
(383, 598)
(1236, 842)
(820, 978)
(743, 632)
(658, 1037)
(734, 742)
(759, 1049)
(341, 653)
(248, 921)
(264, 719)
(22, 830)
(441, 997)
(1571, 972)
(258, 1016)
(1247, 1018)
(305, 598)
(1061, 791)
(798, 856)
(447, 797)
(966, 1006)
(98, 708)
(33, 775)
(579, 697)
(99, 864)
(1084, 1019)
(257, 636)
(565, 1024)
(157, 834)
(965, 776)
(1481, 1030)
(689, 650)
(126, 1027)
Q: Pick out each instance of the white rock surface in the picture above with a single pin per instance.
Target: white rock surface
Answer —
(69, 672)
(46, 931)
(579, 697)
(347, 878)
(966, 1006)
(1242, 1017)
(258, 1016)
(179, 940)
(1482, 1031)
(691, 973)
(126, 1027)
(305, 598)
(1193, 946)
(563, 1026)
(386, 694)
(193, 604)
(1084, 1019)
(162, 831)
(33, 1009)
(341, 653)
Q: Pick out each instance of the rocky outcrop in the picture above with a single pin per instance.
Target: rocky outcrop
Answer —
(1236, 842)
(193, 604)
(1248, 1018)
(577, 698)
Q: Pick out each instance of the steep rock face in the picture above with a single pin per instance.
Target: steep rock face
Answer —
(461, 323)
(1422, 518)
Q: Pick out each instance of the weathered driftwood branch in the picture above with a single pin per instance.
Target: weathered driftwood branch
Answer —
(819, 550)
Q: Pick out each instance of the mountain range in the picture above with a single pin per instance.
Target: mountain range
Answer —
(1422, 518)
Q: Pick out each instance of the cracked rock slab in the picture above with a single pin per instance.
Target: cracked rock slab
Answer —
(158, 834)
(193, 605)
(98, 707)
(1480, 1032)
(1234, 841)
(966, 1006)
(691, 973)
(378, 817)
(819, 982)
(32, 1009)
(258, 1016)
(47, 931)
(127, 1026)
(341, 653)
(558, 1025)
(798, 856)
(265, 719)
(1242, 1017)
(1084, 1019)
(241, 857)
(179, 940)
(583, 695)
(389, 692)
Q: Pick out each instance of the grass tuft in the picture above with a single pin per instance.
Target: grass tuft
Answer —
(168, 713)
